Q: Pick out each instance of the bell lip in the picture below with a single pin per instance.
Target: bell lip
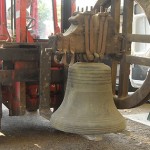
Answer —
(89, 131)
(95, 128)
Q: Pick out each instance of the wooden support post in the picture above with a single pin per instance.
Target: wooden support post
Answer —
(115, 13)
(124, 67)
(123, 78)
(45, 78)
(138, 38)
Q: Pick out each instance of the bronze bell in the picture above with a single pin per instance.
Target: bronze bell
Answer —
(88, 107)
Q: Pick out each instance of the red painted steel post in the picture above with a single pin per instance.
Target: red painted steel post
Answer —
(21, 32)
(3, 12)
(4, 35)
(19, 100)
(34, 14)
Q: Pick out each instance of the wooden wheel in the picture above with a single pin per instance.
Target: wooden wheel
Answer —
(123, 100)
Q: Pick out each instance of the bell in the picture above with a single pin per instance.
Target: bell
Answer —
(88, 107)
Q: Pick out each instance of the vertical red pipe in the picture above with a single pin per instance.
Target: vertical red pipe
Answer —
(2, 12)
(21, 37)
(34, 14)
(21, 32)
(4, 35)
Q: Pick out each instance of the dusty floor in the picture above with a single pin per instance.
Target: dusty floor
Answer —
(32, 132)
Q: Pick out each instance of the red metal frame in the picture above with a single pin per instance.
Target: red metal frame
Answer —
(21, 36)
(21, 33)
(21, 93)
(4, 35)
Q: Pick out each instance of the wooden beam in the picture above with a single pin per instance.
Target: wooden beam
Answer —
(19, 54)
(24, 75)
(124, 67)
(115, 13)
(45, 79)
(138, 60)
(138, 38)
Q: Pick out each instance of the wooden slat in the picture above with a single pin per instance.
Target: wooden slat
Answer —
(20, 45)
(138, 38)
(27, 75)
(10, 76)
(138, 60)
(19, 54)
